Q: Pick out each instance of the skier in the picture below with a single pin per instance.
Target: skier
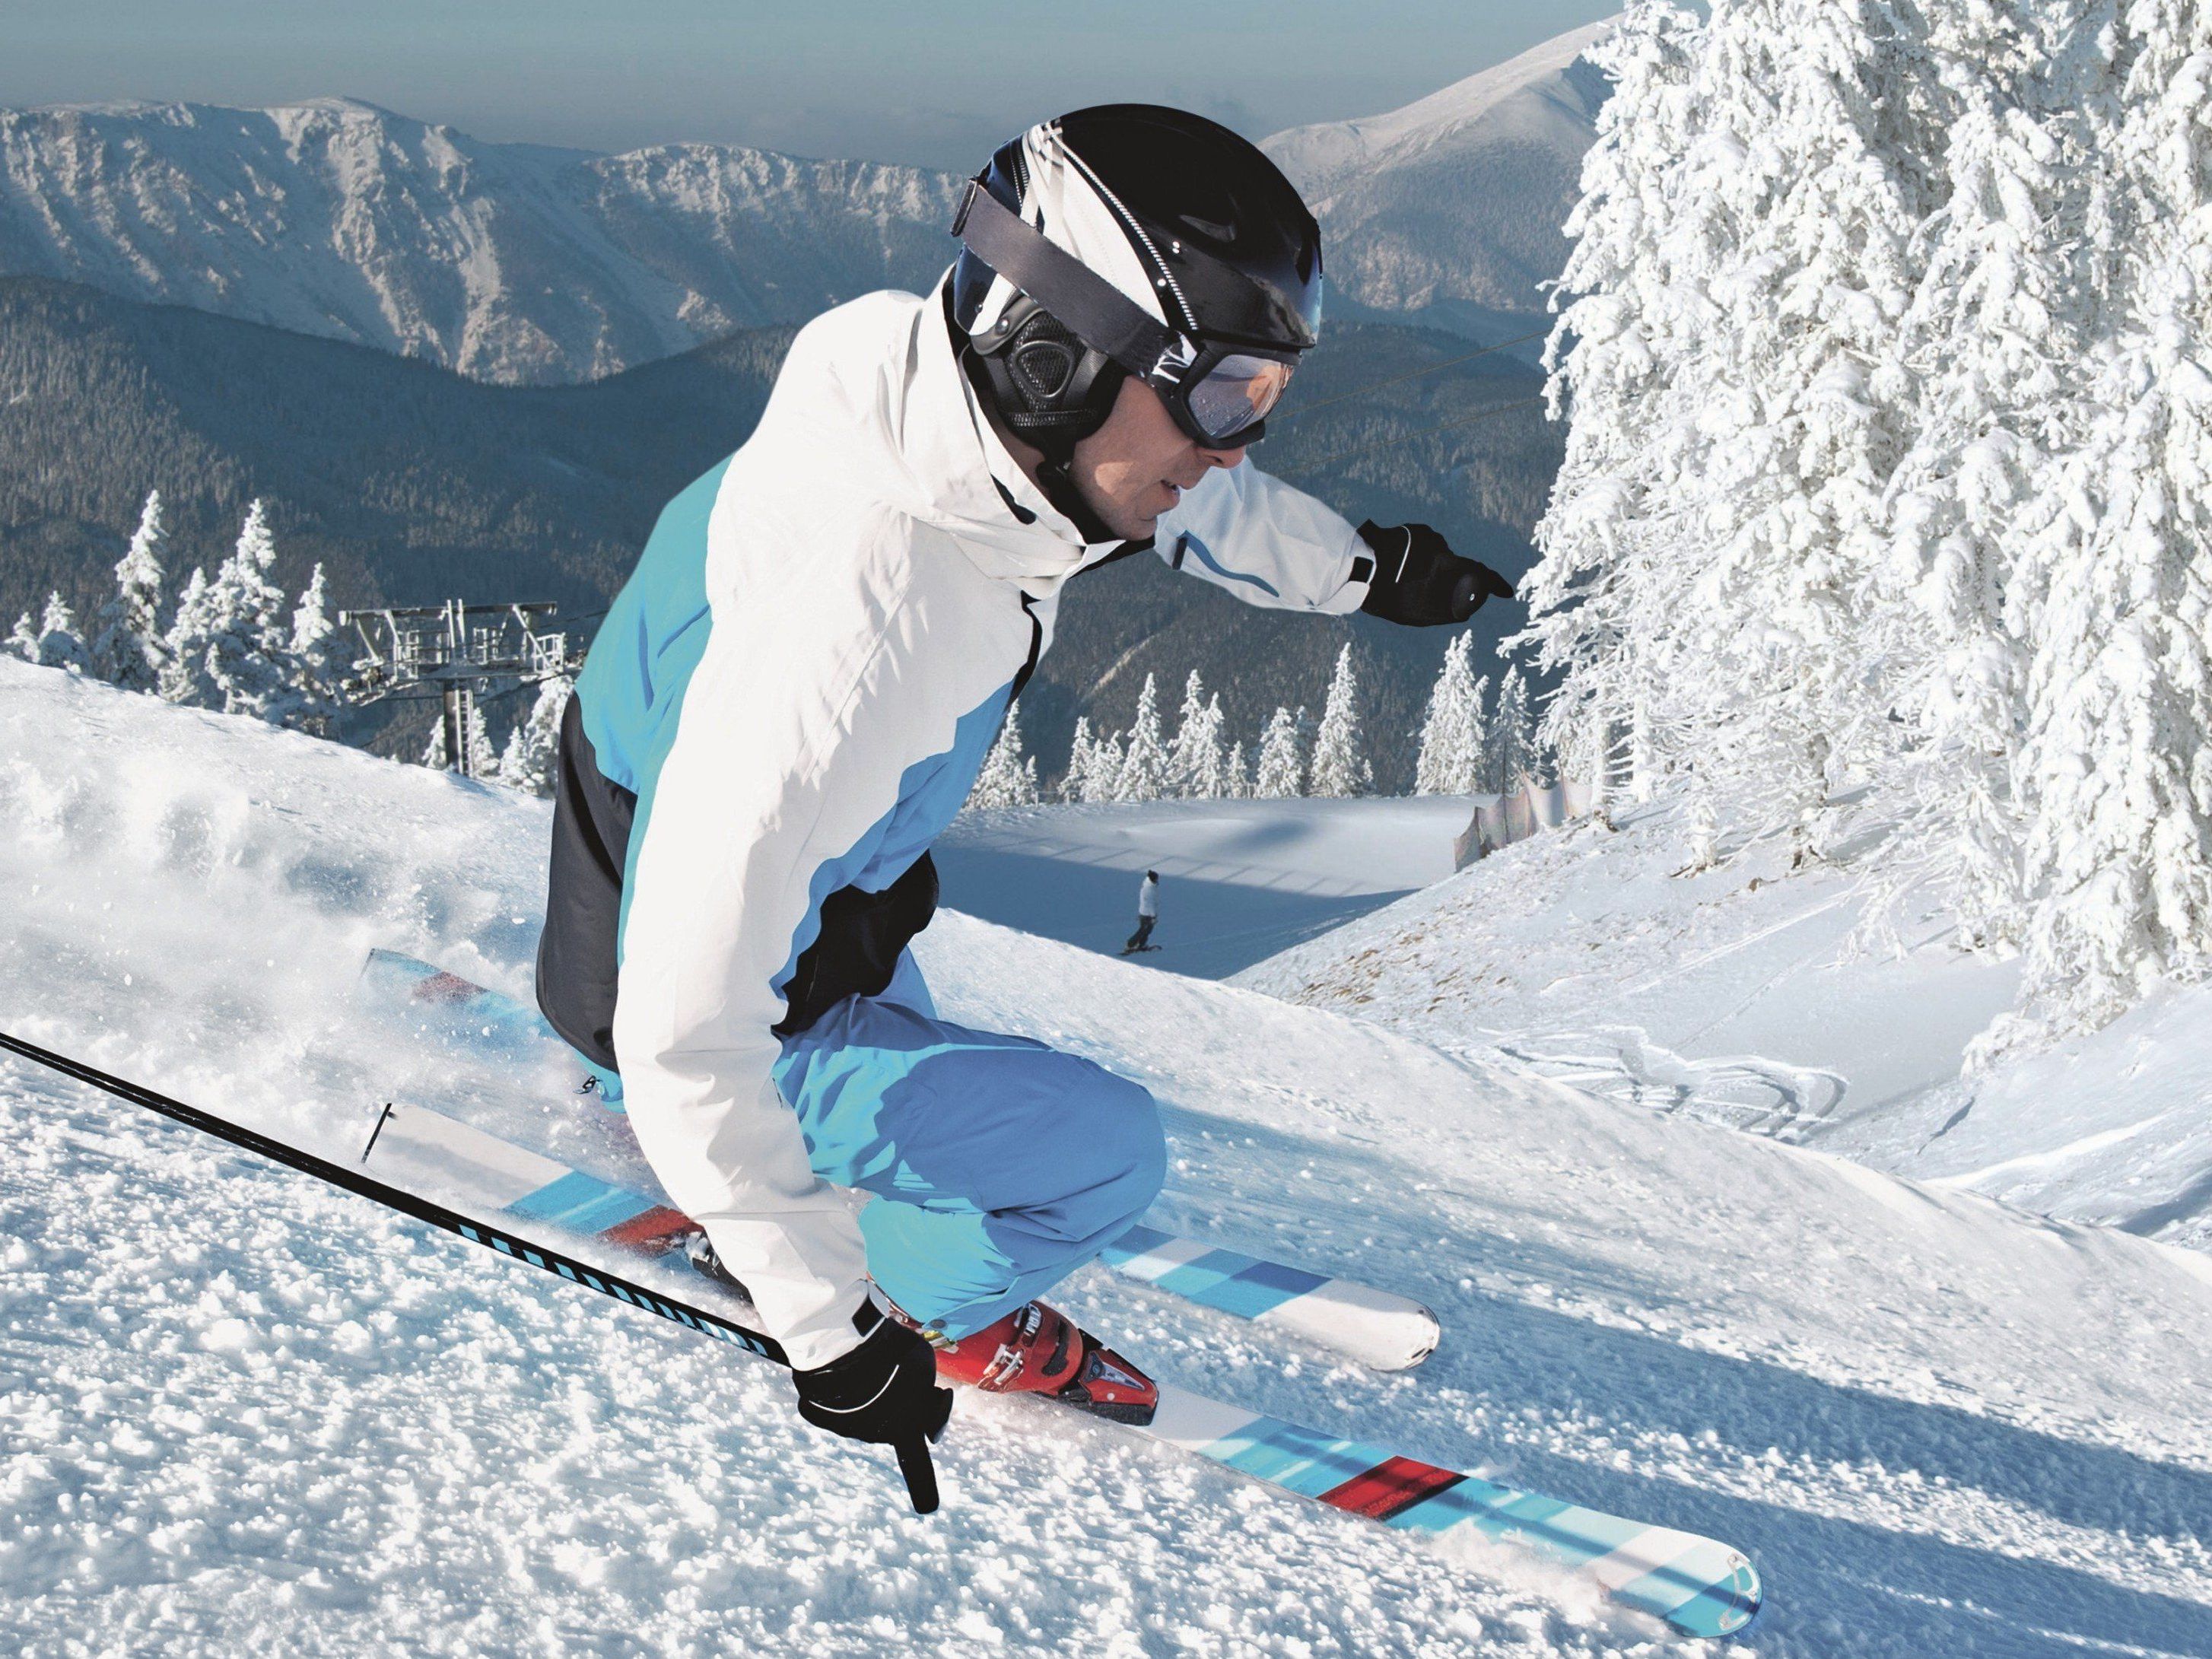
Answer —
(795, 688)
(1148, 913)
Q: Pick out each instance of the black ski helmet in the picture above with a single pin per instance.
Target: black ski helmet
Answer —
(1230, 253)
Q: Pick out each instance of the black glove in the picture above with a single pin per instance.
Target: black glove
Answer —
(884, 1392)
(1419, 580)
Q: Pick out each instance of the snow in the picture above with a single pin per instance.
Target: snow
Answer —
(1748, 996)
(240, 1410)
(1241, 880)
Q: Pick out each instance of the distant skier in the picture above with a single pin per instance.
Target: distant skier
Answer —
(796, 688)
(1148, 913)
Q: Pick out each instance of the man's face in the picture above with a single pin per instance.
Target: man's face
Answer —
(1137, 465)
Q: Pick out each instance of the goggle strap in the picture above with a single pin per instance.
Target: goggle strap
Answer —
(1086, 304)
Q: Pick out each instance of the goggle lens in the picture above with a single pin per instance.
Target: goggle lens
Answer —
(1238, 393)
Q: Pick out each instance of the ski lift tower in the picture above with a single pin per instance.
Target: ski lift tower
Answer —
(453, 652)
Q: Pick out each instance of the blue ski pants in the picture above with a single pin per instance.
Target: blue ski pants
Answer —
(998, 1166)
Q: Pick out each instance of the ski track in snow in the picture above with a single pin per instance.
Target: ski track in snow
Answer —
(1741, 995)
(239, 1411)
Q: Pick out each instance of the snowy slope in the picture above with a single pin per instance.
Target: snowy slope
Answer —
(1741, 996)
(1451, 207)
(514, 262)
(1241, 880)
(243, 1412)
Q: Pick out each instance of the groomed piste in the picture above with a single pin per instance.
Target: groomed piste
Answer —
(243, 1412)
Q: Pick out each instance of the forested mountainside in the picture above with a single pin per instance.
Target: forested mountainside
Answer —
(412, 484)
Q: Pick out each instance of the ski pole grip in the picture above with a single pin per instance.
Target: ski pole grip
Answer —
(920, 1473)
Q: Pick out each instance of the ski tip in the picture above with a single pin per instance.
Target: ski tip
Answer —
(1425, 1346)
(1727, 1608)
(1723, 1600)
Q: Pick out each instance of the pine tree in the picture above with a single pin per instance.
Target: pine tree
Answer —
(58, 645)
(1199, 763)
(1478, 737)
(1282, 769)
(1103, 782)
(1237, 773)
(1184, 764)
(2111, 781)
(126, 646)
(185, 678)
(530, 760)
(1144, 764)
(248, 640)
(1721, 515)
(314, 663)
(1072, 781)
(484, 758)
(23, 643)
(1339, 767)
(485, 761)
(1008, 778)
(1451, 735)
(1512, 755)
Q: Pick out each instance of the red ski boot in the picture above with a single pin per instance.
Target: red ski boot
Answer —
(1037, 1349)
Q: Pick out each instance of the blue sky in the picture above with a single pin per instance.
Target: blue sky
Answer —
(934, 83)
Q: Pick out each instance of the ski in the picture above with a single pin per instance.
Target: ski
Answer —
(1699, 1586)
(1375, 1328)
(1382, 1330)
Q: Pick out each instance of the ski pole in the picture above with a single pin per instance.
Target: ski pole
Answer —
(913, 1460)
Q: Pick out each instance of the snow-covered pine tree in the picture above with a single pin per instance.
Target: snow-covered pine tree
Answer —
(1742, 259)
(1512, 755)
(1451, 761)
(1144, 764)
(2006, 311)
(529, 763)
(484, 758)
(1008, 778)
(1478, 735)
(314, 663)
(1339, 766)
(2113, 775)
(1282, 769)
(1237, 773)
(1888, 457)
(185, 678)
(59, 644)
(1194, 762)
(1104, 781)
(1078, 761)
(1189, 720)
(126, 644)
(248, 640)
(23, 643)
(1205, 769)
(1439, 730)
(476, 733)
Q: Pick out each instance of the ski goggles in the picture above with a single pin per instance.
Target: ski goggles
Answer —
(1222, 398)
(1219, 392)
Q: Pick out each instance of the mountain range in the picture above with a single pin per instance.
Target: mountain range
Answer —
(527, 264)
(1448, 212)
(512, 263)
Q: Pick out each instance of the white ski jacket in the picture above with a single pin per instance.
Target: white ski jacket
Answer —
(798, 685)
